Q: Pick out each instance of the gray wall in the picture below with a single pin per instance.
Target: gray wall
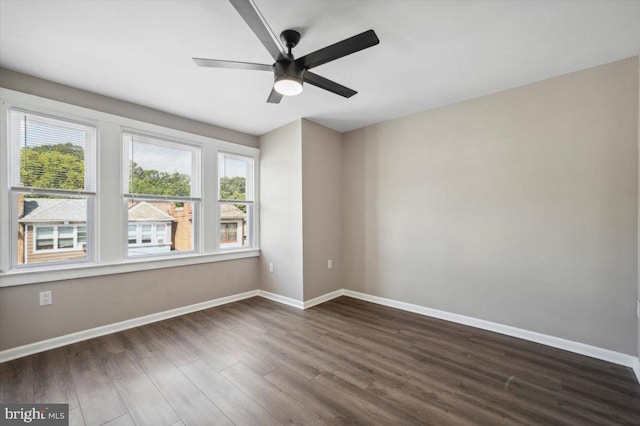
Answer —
(519, 207)
(85, 303)
(281, 211)
(321, 207)
(13, 80)
(300, 214)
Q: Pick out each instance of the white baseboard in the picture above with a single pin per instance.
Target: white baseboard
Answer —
(636, 368)
(324, 298)
(298, 304)
(281, 299)
(56, 342)
(556, 342)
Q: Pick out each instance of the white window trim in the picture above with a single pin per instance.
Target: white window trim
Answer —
(109, 257)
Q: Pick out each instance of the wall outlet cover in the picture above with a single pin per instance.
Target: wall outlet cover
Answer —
(46, 298)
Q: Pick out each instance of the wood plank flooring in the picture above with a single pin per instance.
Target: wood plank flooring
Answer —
(256, 362)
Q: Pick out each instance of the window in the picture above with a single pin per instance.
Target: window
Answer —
(162, 195)
(149, 238)
(58, 238)
(228, 233)
(133, 234)
(82, 236)
(44, 238)
(146, 234)
(52, 186)
(235, 200)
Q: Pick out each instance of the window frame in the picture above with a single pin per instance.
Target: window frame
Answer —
(195, 199)
(251, 183)
(14, 190)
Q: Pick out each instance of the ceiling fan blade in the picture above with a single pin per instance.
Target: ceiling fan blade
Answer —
(326, 84)
(218, 63)
(249, 12)
(274, 97)
(338, 50)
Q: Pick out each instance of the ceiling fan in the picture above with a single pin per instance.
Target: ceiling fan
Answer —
(290, 73)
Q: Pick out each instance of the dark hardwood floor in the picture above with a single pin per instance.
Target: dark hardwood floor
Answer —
(257, 362)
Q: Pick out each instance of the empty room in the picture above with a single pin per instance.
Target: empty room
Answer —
(314, 212)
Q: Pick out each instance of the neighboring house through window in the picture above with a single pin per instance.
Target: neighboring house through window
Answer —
(232, 225)
(149, 229)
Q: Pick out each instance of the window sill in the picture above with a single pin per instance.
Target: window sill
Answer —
(66, 272)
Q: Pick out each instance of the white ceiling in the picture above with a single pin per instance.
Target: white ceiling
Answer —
(431, 53)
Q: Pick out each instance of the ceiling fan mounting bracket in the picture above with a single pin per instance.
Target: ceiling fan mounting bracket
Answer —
(290, 38)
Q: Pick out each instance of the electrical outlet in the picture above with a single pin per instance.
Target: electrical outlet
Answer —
(270, 267)
(330, 264)
(638, 310)
(46, 298)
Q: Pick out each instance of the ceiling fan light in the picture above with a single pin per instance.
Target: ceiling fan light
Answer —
(288, 85)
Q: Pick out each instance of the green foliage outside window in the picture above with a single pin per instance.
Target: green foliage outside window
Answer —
(232, 188)
(59, 166)
(154, 182)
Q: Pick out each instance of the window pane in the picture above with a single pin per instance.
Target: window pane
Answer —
(228, 232)
(46, 227)
(146, 234)
(51, 153)
(234, 176)
(165, 227)
(160, 233)
(156, 167)
(234, 221)
(65, 237)
(44, 237)
(133, 234)
(82, 235)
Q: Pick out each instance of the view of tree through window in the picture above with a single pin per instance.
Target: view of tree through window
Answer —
(233, 188)
(59, 166)
(154, 182)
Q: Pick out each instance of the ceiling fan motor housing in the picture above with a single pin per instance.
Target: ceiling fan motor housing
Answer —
(290, 70)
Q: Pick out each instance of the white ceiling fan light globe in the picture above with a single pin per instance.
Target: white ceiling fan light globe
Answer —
(288, 86)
